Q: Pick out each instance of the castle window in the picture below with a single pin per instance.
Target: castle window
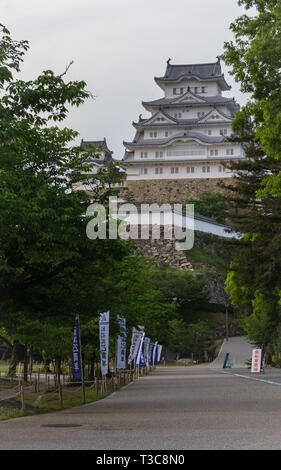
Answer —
(209, 132)
(143, 154)
(214, 152)
(203, 89)
(229, 151)
(166, 134)
(158, 171)
(206, 169)
(190, 169)
(159, 154)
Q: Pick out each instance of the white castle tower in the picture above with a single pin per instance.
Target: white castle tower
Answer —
(187, 135)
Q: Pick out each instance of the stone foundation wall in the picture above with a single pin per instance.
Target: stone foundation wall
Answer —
(172, 191)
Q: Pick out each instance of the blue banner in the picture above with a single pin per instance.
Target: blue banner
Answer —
(76, 352)
(142, 354)
(121, 345)
(104, 341)
(151, 348)
(140, 351)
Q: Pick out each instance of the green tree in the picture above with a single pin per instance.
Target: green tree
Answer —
(180, 337)
(49, 269)
(253, 280)
(190, 338)
(255, 58)
(210, 205)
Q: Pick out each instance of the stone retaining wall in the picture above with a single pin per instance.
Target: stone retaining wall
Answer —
(172, 191)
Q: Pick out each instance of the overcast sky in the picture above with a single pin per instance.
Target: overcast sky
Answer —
(118, 47)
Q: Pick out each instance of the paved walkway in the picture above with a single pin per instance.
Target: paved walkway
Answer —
(175, 408)
(239, 349)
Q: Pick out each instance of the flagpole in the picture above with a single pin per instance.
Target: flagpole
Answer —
(81, 362)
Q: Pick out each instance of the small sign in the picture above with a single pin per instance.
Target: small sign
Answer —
(256, 360)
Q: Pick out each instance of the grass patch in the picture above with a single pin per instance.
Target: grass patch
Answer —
(210, 254)
(206, 261)
(7, 384)
(48, 401)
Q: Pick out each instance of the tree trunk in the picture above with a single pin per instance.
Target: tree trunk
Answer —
(47, 365)
(15, 358)
(92, 370)
(25, 365)
(58, 364)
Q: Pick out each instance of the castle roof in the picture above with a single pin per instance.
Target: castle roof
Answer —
(181, 135)
(98, 145)
(207, 71)
(172, 121)
(211, 100)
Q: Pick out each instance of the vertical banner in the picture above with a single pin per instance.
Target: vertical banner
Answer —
(158, 354)
(139, 357)
(146, 350)
(77, 372)
(256, 360)
(142, 362)
(121, 345)
(104, 340)
(136, 339)
(151, 349)
(154, 353)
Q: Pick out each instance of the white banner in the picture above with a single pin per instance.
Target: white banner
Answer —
(256, 360)
(104, 340)
(136, 339)
(146, 350)
(159, 350)
(121, 345)
(140, 349)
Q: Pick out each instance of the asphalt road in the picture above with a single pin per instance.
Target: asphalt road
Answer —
(175, 408)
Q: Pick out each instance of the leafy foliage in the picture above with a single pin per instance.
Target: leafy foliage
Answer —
(255, 57)
(210, 205)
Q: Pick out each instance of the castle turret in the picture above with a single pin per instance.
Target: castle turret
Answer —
(187, 135)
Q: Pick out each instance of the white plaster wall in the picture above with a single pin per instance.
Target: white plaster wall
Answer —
(134, 173)
(189, 150)
(189, 112)
(211, 88)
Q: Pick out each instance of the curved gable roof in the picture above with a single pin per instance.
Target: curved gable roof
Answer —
(205, 71)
